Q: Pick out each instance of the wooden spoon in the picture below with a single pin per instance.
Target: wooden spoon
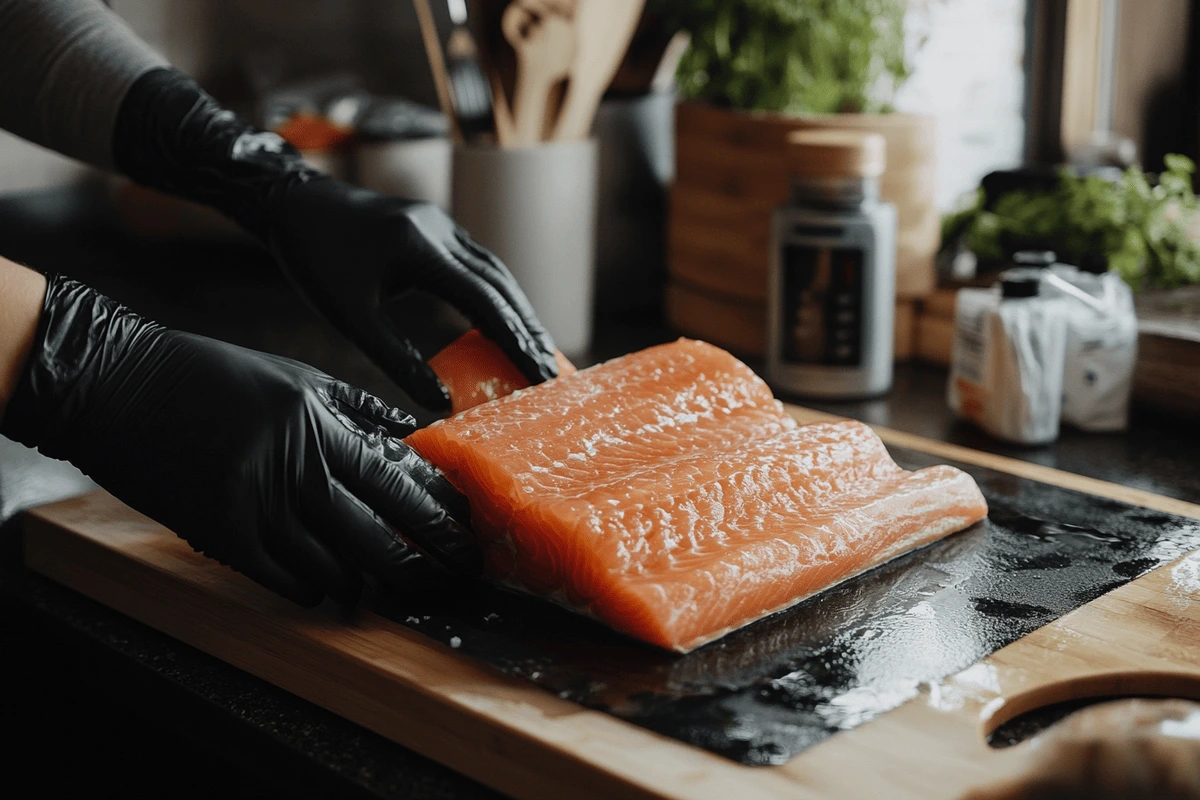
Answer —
(604, 29)
(542, 34)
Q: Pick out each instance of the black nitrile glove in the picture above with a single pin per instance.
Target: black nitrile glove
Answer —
(263, 463)
(347, 250)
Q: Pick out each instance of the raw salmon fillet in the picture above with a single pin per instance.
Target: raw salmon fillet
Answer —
(475, 370)
(667, 494)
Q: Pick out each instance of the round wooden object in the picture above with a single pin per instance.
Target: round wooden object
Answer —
(835, 154)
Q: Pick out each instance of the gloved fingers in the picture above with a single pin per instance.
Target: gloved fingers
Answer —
(365, 539)
(402, 499)
(500, 322)
(266, 572)
(428, 476)
(290, 364)
(485, 264)
(402, 362)
(293, 544)
(368, 412)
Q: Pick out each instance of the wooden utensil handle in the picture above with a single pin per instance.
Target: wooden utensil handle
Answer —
(531, 100)
(506, 131)
(437, 65)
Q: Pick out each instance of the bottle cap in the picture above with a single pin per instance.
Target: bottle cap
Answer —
(1016, 283)
(835, 154)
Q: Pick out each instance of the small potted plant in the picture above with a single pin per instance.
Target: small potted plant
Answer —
(757, 70)
(1144, 228)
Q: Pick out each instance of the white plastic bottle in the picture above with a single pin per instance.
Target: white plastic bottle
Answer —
(1006, 368)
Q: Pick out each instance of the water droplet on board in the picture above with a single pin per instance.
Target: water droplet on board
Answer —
(1134, 568)
(1060, 531)
(994, 607)
(1185, 581)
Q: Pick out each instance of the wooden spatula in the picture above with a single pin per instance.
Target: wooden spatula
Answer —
(650, 41)
(499, 63)
(603, 30)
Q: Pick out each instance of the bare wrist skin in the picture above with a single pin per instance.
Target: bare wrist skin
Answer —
(21, 293)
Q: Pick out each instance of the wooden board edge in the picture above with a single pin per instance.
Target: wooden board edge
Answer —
(1013, 466)
(504, 732)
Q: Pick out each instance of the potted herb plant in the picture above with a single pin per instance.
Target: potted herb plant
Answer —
(755, 71)
(1142, 227)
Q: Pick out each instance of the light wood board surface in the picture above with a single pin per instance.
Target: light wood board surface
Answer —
(1143, 637)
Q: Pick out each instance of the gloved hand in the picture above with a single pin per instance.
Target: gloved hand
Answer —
(347, 250)
(378, 246)
(265, 464)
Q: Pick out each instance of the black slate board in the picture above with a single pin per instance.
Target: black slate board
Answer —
(771, 690)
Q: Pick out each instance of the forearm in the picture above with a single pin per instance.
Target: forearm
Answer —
(172, 136)
(76, 79)
(21, 294)
(66, 66)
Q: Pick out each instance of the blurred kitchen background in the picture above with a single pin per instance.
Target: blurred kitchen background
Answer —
(688, 163)
(970, 71)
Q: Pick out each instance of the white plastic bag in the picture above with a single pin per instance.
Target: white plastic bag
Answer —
(1101, 350)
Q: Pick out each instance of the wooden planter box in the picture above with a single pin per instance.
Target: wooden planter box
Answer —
(730, 178)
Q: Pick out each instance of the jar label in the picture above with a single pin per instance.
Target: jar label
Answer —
(823, 305)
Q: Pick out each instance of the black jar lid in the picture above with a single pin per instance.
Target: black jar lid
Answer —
(1016, 283)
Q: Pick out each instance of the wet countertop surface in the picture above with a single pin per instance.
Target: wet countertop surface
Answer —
(102, 699)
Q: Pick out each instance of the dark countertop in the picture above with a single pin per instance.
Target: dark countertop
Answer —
(107, 705)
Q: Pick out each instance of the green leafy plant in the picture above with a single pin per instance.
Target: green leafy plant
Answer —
(792, 56)
(1141, 229)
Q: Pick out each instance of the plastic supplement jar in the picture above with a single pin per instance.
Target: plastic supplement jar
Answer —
(832, 281)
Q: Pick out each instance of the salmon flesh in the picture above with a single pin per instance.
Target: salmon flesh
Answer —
(668, 494)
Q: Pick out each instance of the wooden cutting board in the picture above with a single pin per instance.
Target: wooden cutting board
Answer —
(1141, 638)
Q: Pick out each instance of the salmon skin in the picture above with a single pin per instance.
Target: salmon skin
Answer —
(667, 494)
